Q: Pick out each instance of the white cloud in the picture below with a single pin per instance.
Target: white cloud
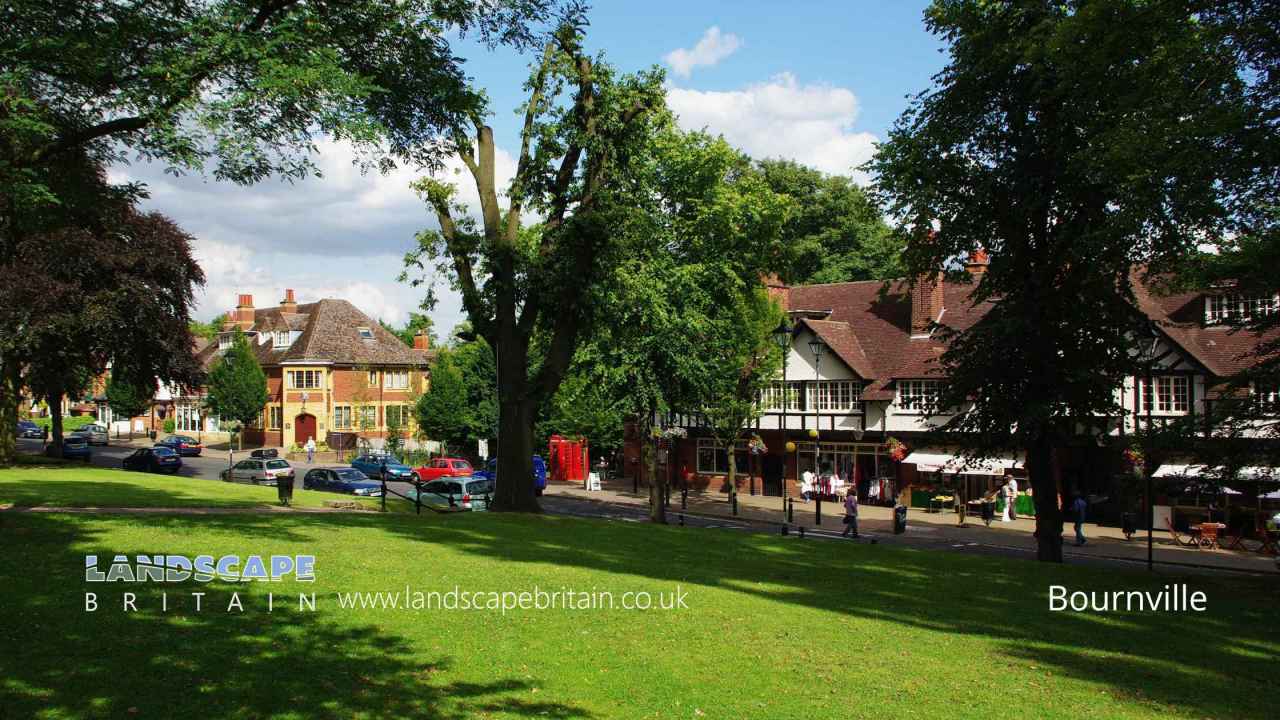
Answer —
(811, 124)
(340, 235)
(710, 49)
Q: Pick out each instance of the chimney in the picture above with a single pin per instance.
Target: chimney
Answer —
(777, 289)
(288, 304)
(977, 264)
(926, 303)
(244, 312)
(229, 322)
(421, 340)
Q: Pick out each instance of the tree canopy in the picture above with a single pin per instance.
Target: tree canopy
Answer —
(237, 386)
(1072, 141)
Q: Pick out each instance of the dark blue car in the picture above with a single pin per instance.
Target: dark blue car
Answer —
(490, 472)
(154, 459)
(74, 447)
(342, 480)
(373, 463)
(28, 429)
(182, 444)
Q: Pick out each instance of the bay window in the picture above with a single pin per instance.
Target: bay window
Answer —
(1165, 394)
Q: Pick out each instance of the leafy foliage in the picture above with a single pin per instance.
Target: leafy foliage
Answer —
(237, 387)
(1073, 141)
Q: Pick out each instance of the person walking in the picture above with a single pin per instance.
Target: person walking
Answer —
(311, 450)
(1004, 496)
(850, 514)
(806, 485)
(1013, 498)
(1078, 507)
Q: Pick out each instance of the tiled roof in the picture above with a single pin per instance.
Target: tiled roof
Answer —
(868, 325)
(329, 333)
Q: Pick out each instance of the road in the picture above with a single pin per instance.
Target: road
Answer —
(922, 536)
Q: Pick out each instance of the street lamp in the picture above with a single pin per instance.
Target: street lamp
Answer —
(782, 336)
(817, 347)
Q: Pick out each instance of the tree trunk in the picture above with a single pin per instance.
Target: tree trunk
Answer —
(55, 422)
(10, 397)
(1044, 487)
(515, 491)
(733, 480)
(657, 485)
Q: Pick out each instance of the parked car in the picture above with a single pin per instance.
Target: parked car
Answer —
(94, 433)
(371, 464)
(73, 447)
(342, 480)
(182, 444)
(28, 429)
(264, 453)
(456, 494)
(258, 472)
(444, 467)
(154, 459)
(490, 472)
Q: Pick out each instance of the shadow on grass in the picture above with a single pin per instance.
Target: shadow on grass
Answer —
(56, 660)
(1214, 664)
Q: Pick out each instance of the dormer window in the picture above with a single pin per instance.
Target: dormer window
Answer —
(365, 333)
(225, 341)
(1238, 308)
(281, 339)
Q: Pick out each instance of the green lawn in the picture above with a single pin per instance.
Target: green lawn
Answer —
(73, 484)
(775, 628)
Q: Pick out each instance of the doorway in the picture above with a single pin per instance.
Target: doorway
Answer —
(304, 427)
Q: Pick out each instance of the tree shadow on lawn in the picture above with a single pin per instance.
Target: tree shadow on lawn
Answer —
(52, 488)
(57, 660)
(1211, 664)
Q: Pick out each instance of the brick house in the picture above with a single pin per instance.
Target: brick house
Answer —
(329, 367)
(861, 367)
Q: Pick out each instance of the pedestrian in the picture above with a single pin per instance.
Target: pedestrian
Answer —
(1004, 497)
(806, 485)
(850, 515)
(311, 450)
(1013, 498)
(1078, 507)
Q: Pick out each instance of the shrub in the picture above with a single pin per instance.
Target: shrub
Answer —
(169, 425)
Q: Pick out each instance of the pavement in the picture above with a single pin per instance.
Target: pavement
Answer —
(941, 530)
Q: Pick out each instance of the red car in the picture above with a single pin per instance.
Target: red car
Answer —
(443, 467)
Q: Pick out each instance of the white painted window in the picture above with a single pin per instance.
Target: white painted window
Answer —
(342, 416)
(395, 379)
(225, 341)
(305, 379)
(1238, 308)
(1165, 394)
(772, 396)
(835, 395)
(368, 416)
(918, 395)
(275, 416)
(1266, 397)
(281, 338)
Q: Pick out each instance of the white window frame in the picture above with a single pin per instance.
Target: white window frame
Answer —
(280, 338)
(914, 395)
(225, 341)
(1219, 309)
(310, 380)
(342, 417)
(1171, 396)
(1266, 398)
(835, 396)
(373, 378)
(371, 411)
(275, 417)
(771, 397)
(395, 379)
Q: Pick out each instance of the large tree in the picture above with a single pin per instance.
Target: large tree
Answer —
(836, 232)
(1072, 140)
(442, 411)
(572, 168)
(238, 386)
(239, 89)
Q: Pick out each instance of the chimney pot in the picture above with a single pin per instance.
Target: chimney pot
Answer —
(288, 304)
(421, 340)
(977, 263)
(244, 312)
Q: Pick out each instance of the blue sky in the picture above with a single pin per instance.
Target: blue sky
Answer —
(817, 82)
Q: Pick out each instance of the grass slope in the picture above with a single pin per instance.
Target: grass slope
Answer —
(776, 628)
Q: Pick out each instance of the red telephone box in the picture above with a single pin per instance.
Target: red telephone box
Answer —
(568, 459)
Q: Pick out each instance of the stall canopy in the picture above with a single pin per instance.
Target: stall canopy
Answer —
(944, 463)
(1198, 472)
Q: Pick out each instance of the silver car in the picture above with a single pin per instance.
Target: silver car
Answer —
(96, 434)
(258, 472)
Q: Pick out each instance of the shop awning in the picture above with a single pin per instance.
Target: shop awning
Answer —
(944, 463)
(1197, 472)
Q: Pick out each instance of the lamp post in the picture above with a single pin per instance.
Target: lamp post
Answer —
(782, 336)
(817, 347)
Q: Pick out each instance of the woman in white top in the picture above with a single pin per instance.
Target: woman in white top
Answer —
(806, 485)
(1008, 502)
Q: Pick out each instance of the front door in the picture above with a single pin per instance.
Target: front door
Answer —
(304, 428)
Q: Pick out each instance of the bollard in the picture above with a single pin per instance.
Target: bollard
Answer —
(817, 512)
(384, 488)
(735, 504)
(791, 510)
(684, 499)
(801, 532)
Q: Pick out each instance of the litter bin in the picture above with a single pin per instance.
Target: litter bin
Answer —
(153, 434)
(1129, 524)
(899, 519)
(284, 488)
